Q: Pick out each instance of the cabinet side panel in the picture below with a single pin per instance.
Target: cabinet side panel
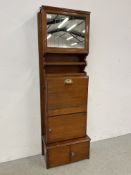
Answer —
(42, 77)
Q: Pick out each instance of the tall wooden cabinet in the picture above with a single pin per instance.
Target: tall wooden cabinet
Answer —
(63, 47)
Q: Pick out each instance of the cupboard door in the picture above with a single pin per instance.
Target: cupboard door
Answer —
(66, 127)
(58, 156)
(66, 94)
(79, 151)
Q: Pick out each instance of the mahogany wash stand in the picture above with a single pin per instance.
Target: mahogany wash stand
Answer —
(63, 36)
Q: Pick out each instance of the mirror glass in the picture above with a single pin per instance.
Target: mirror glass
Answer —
(65, 31)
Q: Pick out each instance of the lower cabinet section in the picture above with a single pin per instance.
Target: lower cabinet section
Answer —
(66, 127)
(61, 153)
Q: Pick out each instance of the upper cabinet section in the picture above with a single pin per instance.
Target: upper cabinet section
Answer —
(65, 30)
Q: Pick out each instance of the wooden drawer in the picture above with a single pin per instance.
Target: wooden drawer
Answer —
(66, 94)
(68, 151)
(79, 151)
(66, 127)
(58, 156)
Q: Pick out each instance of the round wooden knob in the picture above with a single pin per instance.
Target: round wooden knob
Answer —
(50, 130)
(73, 154)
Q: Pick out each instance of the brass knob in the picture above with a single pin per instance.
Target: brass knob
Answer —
(68, 81)
(73, 154)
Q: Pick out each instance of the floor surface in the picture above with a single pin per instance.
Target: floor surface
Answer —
(108, 157)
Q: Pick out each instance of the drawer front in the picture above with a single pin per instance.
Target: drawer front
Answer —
(79, 151)
(58, 156)
(66, 127)
(66, 95)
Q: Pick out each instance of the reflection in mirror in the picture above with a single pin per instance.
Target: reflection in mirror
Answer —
(65, 31)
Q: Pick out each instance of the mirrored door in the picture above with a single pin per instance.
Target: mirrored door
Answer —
(66, 31)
